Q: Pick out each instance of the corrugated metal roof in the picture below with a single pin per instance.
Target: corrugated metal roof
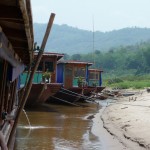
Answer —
(74, 62)
(95, 70)
(58, 55)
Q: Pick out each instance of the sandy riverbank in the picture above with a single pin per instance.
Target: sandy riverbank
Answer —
(128, 120)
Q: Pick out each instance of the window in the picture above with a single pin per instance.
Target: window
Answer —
(94, 75)
(68, 71)
(49, 66)
(40, 67)
(79, 72)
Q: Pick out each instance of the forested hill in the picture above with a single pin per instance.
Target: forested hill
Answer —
(66, 39)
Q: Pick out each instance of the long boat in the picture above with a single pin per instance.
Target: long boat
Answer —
(43, 86)
(95, 80)
(16, 45)
(68, 74)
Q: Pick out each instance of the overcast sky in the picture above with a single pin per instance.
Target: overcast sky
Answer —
(108, 14)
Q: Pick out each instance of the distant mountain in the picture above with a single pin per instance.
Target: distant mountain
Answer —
(70, 40)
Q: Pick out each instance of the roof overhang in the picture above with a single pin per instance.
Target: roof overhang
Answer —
(95, 70)
(16, 23)
(75, 62)
(49, 54)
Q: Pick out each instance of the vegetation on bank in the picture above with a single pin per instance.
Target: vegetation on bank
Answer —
(124, 67)
(121, 54)
(135, 82)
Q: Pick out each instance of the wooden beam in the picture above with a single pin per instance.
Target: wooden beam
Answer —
(6, 52)
(9, 12)
(16, 15)
(15, 33)
(27, 17)
(8, 2)
(17, 39)
(11, 25)
(20, 44)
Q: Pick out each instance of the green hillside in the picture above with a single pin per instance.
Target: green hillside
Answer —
(66, 39)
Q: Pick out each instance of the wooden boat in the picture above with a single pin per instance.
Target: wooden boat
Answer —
(44, 90)
(97, 89)
(66, 95)
(87, 91)
(16, 43)
(100, 89)
(102, 96)
(95, 80)
(41, 89)
(68, 73)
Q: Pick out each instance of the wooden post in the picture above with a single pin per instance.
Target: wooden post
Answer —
(4, 86)
(29, 84)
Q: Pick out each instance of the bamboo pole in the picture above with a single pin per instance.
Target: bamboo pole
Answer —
(29, 84)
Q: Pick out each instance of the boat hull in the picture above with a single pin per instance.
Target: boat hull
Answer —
(66, 95)
(41, 92)
(98, 89)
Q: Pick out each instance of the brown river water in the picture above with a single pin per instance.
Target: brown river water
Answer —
(57, 127)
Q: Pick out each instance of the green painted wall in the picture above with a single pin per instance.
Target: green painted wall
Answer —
(75, 82)
(37, 78)
(93, 81)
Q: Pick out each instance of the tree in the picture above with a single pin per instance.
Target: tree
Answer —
(66, 57)
(76, 57)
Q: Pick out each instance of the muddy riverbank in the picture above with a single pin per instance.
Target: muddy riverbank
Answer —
(110, 125)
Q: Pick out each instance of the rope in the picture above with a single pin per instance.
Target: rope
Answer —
(66, 101)
(85, 97)
(73, 93)
(69, 94)
(28, 124)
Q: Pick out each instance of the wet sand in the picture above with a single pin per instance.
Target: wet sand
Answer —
(127, 119)
(108, 142)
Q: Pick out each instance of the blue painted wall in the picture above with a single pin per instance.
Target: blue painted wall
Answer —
(87, 74)
(100, 79)
(60, 73)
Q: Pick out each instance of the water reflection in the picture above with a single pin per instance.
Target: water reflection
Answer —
(66, 128)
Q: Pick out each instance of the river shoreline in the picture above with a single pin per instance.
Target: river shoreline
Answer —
(108, 142)
(127, 120)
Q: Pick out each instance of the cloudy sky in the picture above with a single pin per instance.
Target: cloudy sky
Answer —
(107, 14)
